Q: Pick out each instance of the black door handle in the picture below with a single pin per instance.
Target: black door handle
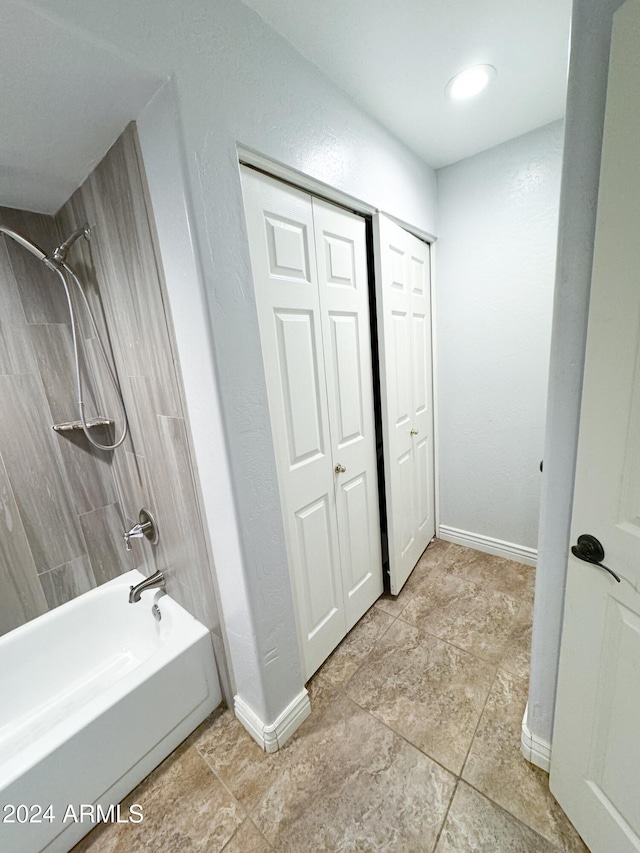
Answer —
(591, 551)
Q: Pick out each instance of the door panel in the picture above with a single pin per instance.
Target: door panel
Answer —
(404, 329)
(424, 494)
(281, 239)
(322, 596)
(301, 401)
(347, 385)
(288, 247)
(595, 762)
(400, 355)
(344, 300)
(614, 757)
(405, 528)
(419, 273)
(420, 339)
(358, 529)
(340, 260)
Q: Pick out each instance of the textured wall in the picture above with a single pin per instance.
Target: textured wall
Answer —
(495, 259)
(60, 520)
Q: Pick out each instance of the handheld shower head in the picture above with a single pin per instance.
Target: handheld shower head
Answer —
(26, 244)
(58, 257)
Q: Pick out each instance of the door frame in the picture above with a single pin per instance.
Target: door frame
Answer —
(299, 180)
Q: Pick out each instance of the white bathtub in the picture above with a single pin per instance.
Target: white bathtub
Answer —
(93, 696)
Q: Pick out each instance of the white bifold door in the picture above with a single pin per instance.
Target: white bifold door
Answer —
(309, 265)
(403, 294)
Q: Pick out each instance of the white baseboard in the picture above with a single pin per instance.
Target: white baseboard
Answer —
(274, 736)
(534, 749)
(489, 545)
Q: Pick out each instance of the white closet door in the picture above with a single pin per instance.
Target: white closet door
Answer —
(344, 301)
(404, 331)
(280, 227)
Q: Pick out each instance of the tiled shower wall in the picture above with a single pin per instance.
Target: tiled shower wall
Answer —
(94, 495)
(59, 509)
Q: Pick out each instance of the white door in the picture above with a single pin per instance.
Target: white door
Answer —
(595, 764)
(403, 294)
(317, 388)
(344, 302)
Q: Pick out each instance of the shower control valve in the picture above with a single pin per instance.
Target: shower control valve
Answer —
(146, 527)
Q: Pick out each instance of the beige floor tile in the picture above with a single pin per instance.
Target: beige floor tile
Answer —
(476, 825)
(517, 656)
(470, 615)
(530, 587)
(237, 759)
(432, 557)
(346, 659)
(434, 553)
(242, 765)
(185, 806)
(490, 572)
(248, 839)
(395, 604)
(355, 785)
(496, 767)
(426, 690)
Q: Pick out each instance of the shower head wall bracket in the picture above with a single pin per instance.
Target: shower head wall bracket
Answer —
(59, 255)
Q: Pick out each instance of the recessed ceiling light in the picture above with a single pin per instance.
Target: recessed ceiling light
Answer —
(469, 82)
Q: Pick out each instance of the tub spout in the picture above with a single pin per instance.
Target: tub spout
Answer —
(155, 581)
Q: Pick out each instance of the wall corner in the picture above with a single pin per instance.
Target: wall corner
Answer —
(273, 737)
(536, 750)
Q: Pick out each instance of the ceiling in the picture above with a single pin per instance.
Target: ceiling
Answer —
(65, 98)
(395, 58)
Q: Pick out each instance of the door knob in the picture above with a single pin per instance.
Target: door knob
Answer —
(339, 469)
(590, 550)
(413, 431)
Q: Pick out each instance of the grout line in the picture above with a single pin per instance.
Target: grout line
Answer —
(243, 809)
(475, 731)
(446, 815)
(464, 763)
(263, 837)
(476, 657)
(513, 816)
(402, 737)
(343, 685)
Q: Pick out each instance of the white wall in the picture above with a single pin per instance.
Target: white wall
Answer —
(495, 260)
(586, 97)
(237, 81)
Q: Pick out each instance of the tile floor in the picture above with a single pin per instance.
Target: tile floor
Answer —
(412, 744)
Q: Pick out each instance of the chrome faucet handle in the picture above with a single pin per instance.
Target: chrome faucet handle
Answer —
(136, 532)
(146, 526)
